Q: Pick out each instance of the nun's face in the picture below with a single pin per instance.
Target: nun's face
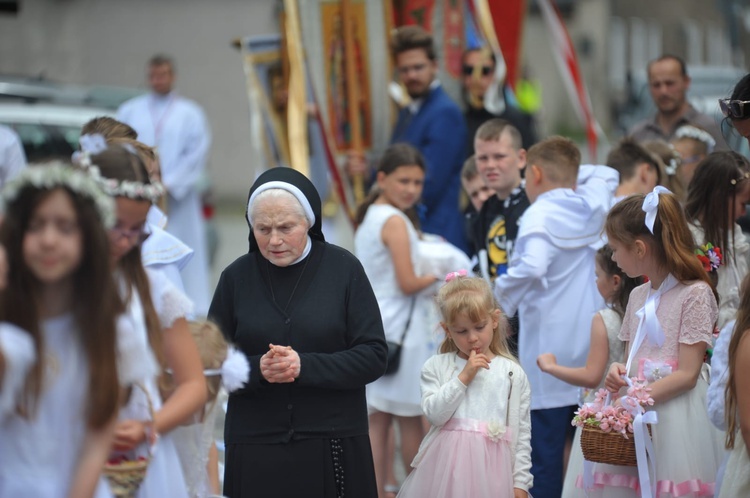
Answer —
(280, 230)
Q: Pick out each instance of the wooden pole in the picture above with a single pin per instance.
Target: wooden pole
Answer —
(352, 94)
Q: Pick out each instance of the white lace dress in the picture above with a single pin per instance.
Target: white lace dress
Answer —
(612, 323)
(193, 442)
(164, 476)
(689, 449)
(397, 394)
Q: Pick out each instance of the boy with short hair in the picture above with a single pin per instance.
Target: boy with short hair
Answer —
(500, 158)
(550, 282)
(639, 171)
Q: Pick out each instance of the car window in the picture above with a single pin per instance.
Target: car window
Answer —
(44, 142)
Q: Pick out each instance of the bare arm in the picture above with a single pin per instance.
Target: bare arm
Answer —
(590, 375)
(742, 379)
(93, 456)
(690, 360)
(396, 237)
(187, 397)
(184, 360)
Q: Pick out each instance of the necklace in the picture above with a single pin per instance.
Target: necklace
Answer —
(294, 289)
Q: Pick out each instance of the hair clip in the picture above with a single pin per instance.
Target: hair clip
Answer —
(745, 176)
(455, 274)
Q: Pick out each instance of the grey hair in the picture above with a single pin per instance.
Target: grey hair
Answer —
(279, 194)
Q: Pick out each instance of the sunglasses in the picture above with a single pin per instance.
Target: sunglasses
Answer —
(469, 70)
(734, 109)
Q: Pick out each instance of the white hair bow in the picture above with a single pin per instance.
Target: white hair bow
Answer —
(651, 205)
(93, 144)
(235, 371)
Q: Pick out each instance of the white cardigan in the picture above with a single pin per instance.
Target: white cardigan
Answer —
(443, 394)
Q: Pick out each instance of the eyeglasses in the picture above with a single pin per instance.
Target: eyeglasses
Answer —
(691, 159)
(133, 235)
(469, 70)
(734, 109)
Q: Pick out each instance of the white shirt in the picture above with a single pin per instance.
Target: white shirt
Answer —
(12, 156)
(550, 280)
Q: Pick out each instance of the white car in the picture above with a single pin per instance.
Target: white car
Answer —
(48, 131)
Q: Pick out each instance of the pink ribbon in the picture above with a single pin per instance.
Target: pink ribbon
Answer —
(455, 274)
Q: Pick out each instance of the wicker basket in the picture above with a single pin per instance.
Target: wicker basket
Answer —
(608, 447)
(126, 477)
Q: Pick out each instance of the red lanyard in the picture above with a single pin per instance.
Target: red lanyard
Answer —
(158, 124)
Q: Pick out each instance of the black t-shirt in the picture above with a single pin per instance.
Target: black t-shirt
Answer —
(496, 228)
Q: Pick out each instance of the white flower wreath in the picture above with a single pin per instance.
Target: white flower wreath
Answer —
(94, 144)
(688, 131)
(58, 174)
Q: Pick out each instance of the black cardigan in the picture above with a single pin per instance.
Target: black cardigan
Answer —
(333, 322)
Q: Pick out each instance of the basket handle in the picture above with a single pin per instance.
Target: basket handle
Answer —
(151, 434)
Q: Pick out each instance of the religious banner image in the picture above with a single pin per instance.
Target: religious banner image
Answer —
(335, 73)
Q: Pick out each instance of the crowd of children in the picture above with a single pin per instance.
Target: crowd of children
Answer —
(587, 277)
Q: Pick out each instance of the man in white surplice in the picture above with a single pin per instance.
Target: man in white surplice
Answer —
(177, 127)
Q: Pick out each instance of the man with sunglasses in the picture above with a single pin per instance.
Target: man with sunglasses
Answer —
(478, 71)
(433, 124)
(668, 83)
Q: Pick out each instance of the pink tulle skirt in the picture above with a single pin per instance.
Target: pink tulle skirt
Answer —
(464, 459)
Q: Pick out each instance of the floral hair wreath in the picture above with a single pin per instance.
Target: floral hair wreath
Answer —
(695, 133)
(710, 257)
(55, 175)
(94, 144)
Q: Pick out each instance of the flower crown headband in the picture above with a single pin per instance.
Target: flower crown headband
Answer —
(56, 175)
(96, 143)
(703, 136)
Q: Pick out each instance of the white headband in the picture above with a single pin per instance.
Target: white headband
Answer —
(651, 206)
(297, 193)
(688, 131)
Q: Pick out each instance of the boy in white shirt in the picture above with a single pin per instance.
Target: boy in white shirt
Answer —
(550, 282)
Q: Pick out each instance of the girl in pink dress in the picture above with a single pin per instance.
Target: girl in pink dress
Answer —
(476, 396)
(668, 326)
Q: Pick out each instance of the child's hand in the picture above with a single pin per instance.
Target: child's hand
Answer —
(546, 362)
(129, 434)
(614, 380)
(473, 364)
(520, 493)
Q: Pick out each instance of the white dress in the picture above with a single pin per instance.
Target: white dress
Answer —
(730, 273)
(688, 448)
(479, 445)
(398, 393)
(737, 476)
(193, 442)
(178, 128)
(163, 251)
(38, 455)
(164, 476)
(612, 323)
